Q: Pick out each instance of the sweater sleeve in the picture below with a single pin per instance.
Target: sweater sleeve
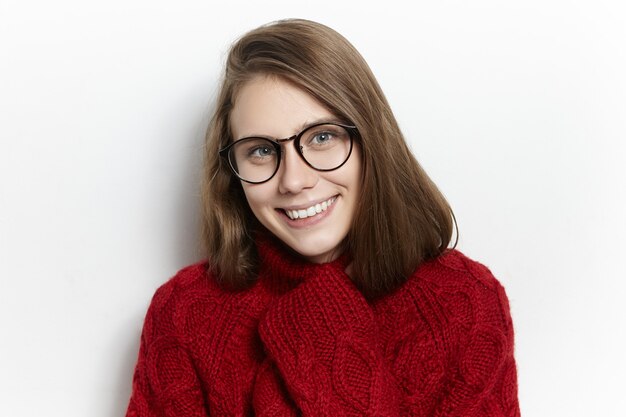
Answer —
(269, 398)
(322, 338)
(164, 383)
(485, 382)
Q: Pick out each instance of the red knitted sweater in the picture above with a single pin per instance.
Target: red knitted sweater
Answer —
(304, 341)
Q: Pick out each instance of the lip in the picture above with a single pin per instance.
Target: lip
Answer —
(309, 221)
(307, 205)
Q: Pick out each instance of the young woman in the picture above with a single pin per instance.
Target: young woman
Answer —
(329, 288)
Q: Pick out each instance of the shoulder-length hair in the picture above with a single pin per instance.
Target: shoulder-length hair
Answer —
(401, 220)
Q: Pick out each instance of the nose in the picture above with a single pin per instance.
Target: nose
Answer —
(294, 175)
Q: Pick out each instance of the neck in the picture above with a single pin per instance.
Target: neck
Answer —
(281, 262)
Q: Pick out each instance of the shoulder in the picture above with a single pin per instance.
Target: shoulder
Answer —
(454, 312)
(186, 302)
(186, 283)
(192, 300)
(466, 291)
(453, 267)
(174, 297)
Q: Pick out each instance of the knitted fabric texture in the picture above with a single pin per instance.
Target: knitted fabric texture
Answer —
(304, 341)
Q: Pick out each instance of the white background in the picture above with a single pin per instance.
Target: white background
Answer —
(516, 109)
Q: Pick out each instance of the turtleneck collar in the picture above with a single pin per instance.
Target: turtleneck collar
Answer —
(281, 262)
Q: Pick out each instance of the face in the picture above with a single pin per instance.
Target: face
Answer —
(274, 108)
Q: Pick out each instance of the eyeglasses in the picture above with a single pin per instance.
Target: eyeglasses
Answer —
(323, 146)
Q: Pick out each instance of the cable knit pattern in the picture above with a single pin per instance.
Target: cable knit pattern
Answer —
(304, 341)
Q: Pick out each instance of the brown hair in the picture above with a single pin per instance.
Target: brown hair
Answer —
(401, 220)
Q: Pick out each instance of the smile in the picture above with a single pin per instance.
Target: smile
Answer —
(310, 211)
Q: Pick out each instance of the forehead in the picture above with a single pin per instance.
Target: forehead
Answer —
(270, 106)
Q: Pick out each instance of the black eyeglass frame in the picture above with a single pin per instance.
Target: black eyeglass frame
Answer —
(276, 143)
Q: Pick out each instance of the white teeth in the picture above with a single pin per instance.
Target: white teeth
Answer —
(311, 211)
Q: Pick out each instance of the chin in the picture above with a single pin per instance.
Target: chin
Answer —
(318, 251)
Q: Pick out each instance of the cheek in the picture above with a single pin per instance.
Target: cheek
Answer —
(257, 197)
(353, 175)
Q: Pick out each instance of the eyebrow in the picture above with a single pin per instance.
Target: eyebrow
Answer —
(303, 126)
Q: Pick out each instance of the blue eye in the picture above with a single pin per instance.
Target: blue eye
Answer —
(261, 151)
(321, 138)
(324, 137)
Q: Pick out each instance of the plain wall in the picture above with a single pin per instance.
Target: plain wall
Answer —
(516, 109)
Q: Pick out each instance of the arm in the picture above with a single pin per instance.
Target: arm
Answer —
(322, 338)
(270, 397)
(485, 383)
(164, 382)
